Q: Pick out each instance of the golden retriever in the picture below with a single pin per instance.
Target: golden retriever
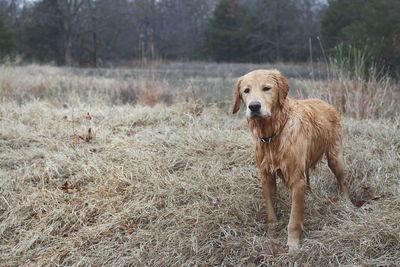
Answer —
(290, 136)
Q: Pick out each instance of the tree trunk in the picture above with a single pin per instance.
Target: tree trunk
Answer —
(94, 49)
(68, 51)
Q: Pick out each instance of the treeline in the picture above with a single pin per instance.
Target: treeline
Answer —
(265, 30)
(96, 32)
(102, 32)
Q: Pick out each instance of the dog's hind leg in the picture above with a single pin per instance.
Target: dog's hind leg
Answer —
(335, 163)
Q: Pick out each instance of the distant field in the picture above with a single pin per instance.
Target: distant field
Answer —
(210, 82)
(166, 176)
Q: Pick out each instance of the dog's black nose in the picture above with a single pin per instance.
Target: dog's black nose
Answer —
(255, 106)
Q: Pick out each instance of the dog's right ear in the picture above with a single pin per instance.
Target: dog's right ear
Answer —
(236, 97)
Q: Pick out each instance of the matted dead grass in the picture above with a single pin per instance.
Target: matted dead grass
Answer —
(172, 186)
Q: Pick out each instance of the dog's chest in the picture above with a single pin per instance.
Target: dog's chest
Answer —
(267, 157)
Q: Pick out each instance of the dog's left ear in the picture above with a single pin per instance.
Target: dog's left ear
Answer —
(283, 89)
(236, 97)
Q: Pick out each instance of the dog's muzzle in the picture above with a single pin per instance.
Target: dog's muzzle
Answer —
(255, 106)
(255, 110)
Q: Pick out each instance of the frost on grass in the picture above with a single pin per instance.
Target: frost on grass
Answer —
(170, 186)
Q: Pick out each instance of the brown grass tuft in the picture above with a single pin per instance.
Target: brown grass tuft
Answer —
(150, 94)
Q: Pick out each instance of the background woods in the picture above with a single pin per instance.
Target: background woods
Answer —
(93, 32)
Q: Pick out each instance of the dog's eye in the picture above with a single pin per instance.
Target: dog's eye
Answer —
(246, 91)
(265, 89)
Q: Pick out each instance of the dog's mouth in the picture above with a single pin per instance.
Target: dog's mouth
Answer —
(257, 116)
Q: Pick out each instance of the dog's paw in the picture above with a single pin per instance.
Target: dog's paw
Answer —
(294, 250)
(294, 246)
(272, 229)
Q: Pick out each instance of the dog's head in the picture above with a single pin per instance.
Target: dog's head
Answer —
(262, 91)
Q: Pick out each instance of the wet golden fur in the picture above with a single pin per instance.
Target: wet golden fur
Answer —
(309, 129)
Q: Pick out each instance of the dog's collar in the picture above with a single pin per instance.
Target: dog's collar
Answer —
(271, 138)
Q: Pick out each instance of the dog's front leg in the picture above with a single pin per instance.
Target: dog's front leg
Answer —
(295, 227)
(269, 191)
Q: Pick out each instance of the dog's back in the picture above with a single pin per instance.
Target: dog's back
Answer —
(319, 125)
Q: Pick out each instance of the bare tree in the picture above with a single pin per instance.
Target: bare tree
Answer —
(10, 9)
(68, 16)
(106, 30)
(183, 22)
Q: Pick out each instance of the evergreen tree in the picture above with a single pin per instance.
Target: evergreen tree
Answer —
(371, 23)
(6, 40)
(225, 38)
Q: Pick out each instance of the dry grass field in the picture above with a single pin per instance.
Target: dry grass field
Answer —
(148, 168)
